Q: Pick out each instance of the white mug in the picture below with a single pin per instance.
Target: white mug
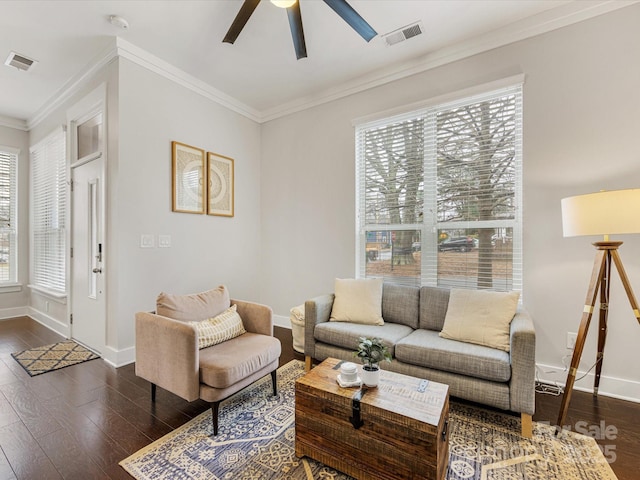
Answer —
(349, 372)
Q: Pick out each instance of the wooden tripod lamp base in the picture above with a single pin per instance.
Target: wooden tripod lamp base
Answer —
(602, 213)
(600, 283)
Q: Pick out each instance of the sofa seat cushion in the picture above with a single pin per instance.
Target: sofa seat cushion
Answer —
(226, 363)
(346, 335)
(426, 348)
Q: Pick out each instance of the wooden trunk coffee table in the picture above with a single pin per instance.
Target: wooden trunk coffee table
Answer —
(395, 431)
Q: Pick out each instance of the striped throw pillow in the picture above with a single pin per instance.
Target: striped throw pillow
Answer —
(220, 328)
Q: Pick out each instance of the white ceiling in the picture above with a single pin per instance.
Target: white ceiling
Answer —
(260, 71)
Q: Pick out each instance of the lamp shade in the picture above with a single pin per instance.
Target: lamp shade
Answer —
(603, 213)
(283, 3)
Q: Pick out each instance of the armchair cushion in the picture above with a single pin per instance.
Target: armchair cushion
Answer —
(229, 362)
(194, 307)
(220, 328)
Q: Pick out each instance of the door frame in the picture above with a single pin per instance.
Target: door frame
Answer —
(93, 103)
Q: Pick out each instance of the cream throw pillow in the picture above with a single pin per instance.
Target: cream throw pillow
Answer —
(481, 317)
(358, 301)
(220, 328)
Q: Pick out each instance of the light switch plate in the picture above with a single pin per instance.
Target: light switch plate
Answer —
(164, 241)
(146, 240)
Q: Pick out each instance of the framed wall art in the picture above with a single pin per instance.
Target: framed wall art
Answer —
(188, 175)
(220, 188)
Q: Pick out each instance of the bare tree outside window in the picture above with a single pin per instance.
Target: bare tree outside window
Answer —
(439, 194)
(394, 156)
(476, 171)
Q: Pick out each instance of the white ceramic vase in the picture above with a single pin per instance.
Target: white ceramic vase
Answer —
(370, 375)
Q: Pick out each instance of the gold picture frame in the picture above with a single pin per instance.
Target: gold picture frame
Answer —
(187, 178)
(220, 185)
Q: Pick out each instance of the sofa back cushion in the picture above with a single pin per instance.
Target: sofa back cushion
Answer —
(358, 300)
(194, 307)
(401, 304)
(433, 307)
(480, 316)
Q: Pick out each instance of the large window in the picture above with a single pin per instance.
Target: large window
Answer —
(48, 217)
(8, 215)
(440, 194)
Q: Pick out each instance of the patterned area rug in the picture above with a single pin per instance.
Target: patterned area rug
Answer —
(47, 358)
(257, 433)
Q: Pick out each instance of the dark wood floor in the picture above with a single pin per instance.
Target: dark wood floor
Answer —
(79, 422)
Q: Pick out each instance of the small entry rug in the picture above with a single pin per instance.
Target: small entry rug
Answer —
(47, 358)
(257, 433)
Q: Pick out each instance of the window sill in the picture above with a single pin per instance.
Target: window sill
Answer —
(10, 287)
(51, 294)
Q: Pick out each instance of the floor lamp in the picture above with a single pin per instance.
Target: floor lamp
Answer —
(603, 213)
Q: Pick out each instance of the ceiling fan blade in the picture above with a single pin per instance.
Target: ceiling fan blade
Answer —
(240, 21)
(349, 15)
(297, 33)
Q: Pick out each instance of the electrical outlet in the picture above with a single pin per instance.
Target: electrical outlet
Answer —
(571, 340)
(147, 240)
(164, 241)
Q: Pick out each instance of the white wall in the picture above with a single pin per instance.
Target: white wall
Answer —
(581, 122)
(15, 303)
(206, 250)
(145, 113)
(48, 310)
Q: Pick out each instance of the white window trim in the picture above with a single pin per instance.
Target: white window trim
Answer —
(375, 118)
(10, 287)
(50, 292)
(429, 228)
(13, 285)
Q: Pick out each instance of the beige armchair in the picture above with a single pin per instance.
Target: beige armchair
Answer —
(167, 353)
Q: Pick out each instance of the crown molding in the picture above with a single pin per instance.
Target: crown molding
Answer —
(71, 87)
(15, 123)
(124, 49)
(151, 62)
(549, 20)
(561, 16)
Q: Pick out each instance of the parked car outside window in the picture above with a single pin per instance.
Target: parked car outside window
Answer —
(457, 244)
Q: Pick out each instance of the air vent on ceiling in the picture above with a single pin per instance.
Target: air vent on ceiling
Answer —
(404, 33)
(19, 61)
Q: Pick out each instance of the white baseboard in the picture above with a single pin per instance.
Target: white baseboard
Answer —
(50, 322)
(13, 312)
(116, 358)
(282, 321)
(119, 358)
(609, 386)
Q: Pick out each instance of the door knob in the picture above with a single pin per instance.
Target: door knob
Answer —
(97, 270)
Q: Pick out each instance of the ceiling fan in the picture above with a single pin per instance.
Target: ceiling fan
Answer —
(341, 7)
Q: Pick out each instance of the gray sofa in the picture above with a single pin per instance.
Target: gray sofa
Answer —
(413, 318)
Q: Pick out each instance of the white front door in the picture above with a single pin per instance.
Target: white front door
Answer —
(88, 159)
(87, 287)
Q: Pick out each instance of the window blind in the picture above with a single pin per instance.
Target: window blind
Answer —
(48, 206)
(8, 215)
(439, 198)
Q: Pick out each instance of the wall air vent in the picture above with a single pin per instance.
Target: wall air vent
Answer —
(404, 33)
(19, 61)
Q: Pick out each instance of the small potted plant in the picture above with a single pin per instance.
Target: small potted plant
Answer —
(372, 351)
